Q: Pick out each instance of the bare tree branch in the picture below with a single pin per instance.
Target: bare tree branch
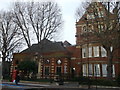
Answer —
(9, 36)
(44, 18)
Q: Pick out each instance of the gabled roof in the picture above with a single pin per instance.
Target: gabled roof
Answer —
(45, 46)
(66, 44)
(89, 8)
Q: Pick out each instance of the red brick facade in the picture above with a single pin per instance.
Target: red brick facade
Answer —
(86, 58)
(53, 63)
(91, 59)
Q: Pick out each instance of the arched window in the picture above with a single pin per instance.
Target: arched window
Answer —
(47, 61)
(59, 61)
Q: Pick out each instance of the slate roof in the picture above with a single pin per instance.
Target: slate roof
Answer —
(45, 46)
(66, 44)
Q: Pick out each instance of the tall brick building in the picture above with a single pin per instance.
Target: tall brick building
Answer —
(91, 58)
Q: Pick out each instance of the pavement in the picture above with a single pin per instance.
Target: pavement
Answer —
(25, 85)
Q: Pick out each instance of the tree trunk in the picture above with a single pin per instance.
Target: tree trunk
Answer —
(3, 66)
(109, 65)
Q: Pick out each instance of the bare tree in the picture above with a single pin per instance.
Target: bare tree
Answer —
(21, 19)
(104, 18)
(9, 36)
(42, 18)
(81, 10)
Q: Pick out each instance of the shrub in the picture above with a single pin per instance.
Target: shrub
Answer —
(118, 80)
(103, 82)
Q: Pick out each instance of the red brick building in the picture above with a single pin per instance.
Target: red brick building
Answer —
(89, 57)
(52, 57)
(86, 58)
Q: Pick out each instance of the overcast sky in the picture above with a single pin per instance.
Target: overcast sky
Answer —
(68, 8)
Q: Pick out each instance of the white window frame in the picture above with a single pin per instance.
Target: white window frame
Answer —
(97, 70)
(104, 70)
(84, 52)
(65, 69)
(103, 52)
(90, 70)
(84, 69)
(90, 51)
(111, 48)
(96, 51)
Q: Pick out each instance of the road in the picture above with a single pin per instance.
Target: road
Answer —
(21, 86)
(67, 86)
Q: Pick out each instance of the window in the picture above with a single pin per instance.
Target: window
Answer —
(65, 69)
(58, 70)
(90, 16)
(47, 70)
(113, 70)
(47, 61)
(87, 70)
(59, 61)
(96, 51)
(84, 29)
(90, 51)
(100, 27)
(84, 52)
(111, 48)
(104, 70)
(90, 27)
(101, 14)
(97, 70)
(84, 69)
(90, 70)
(103, 52)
